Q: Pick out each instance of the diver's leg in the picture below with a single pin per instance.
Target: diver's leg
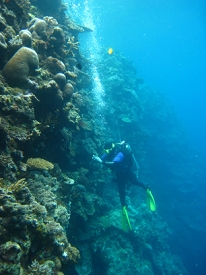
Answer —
(121, 183)
(134, 180)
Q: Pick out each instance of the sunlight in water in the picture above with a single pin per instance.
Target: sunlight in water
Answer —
(91, 50)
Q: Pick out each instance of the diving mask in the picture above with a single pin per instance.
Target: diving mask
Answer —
(109, 150)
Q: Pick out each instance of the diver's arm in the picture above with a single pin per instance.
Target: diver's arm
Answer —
(108, 163)
(117, 160)
(102, 161)
(96, 158)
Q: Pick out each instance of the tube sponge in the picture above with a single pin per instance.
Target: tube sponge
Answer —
(18, 68)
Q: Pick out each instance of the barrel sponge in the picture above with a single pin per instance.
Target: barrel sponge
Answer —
(18, 68)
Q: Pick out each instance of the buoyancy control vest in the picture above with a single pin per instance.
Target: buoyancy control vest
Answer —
(126, 150)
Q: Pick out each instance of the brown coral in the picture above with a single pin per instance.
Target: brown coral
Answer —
(68, 91)
(38, 28)
(54, 65)
(57, 38)
(26, 37)
(38, 163)
(17, 70)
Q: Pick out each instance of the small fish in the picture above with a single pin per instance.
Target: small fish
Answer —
(110, 51)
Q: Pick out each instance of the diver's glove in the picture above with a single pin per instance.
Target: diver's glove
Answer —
(96, 158)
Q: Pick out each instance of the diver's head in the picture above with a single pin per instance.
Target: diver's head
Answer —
(109, 146)
(121, 144)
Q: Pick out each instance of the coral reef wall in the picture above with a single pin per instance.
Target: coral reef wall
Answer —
(38, 98)
(59, 212)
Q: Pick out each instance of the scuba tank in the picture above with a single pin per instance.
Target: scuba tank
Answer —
(127, 150)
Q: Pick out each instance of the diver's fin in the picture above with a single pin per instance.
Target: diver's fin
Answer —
(150, 200)
(125, 220)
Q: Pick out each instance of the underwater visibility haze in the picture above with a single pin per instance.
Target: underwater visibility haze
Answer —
(166, 42)
(102, 137)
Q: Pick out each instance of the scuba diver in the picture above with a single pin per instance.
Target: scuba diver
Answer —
(120, 159)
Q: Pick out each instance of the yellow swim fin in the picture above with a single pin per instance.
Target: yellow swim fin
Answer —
(125, 220)
(150, 200)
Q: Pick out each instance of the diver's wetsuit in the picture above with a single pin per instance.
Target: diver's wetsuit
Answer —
(121, 164)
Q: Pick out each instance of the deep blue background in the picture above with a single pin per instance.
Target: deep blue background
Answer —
(166, 40)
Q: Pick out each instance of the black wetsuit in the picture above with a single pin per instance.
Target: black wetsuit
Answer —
(121, 164)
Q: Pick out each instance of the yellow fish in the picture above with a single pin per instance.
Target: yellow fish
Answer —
(110, 51)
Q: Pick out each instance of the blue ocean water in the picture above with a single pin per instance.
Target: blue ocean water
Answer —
(166, 41)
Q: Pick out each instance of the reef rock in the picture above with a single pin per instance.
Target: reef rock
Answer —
(55, 65)
(60, 79)
(26, 37)
(57, 38)
(38, 28)
(68, 91)
(18, 68)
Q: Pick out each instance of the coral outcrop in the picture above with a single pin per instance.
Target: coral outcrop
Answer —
(20, 66)
(26, 37)
(38, 28)
(42, 223)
